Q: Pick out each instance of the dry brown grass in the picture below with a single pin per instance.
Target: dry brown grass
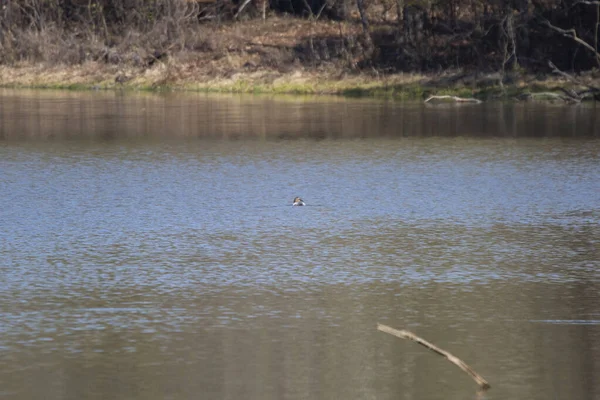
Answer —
(225, 76)
(256, 50)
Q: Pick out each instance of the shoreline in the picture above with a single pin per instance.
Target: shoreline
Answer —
(300, 81)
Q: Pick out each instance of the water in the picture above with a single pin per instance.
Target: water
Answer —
(148, 249)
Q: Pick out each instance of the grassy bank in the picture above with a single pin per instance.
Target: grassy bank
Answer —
(176, 76)
(181, 76)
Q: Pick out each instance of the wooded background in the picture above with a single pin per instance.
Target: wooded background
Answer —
(391, 35)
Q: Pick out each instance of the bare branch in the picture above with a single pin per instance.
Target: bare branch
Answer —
(571, 33)
(590, 3)
(310, 12)
(562, 73)
(244, 4)
(404, 334)
(591, 88)
(320, 11)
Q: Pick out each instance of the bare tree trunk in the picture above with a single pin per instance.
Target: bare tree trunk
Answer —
(365, 24)
(400, 12)
(363, 16)
(596, 31)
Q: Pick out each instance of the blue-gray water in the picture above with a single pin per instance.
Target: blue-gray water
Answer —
(149, 249)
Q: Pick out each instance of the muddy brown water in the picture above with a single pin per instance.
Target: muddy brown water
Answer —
(149, 249)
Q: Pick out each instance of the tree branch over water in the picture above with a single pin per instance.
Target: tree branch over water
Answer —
(572, 33)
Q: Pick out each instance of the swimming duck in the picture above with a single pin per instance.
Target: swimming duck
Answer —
(298, 202)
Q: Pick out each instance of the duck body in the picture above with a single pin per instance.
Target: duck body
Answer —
(298, 202)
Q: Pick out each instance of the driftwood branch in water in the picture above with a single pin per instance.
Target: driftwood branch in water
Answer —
(455, 98)
(403, 334)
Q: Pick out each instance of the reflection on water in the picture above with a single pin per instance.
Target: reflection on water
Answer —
(117, 115)
(168, 262)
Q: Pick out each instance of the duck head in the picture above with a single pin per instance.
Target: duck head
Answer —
(298, 202)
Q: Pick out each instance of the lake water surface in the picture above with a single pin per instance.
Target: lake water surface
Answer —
(149, 249)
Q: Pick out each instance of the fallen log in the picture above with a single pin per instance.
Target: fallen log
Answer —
(455, 98)
(404, 334)
(548, 96)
